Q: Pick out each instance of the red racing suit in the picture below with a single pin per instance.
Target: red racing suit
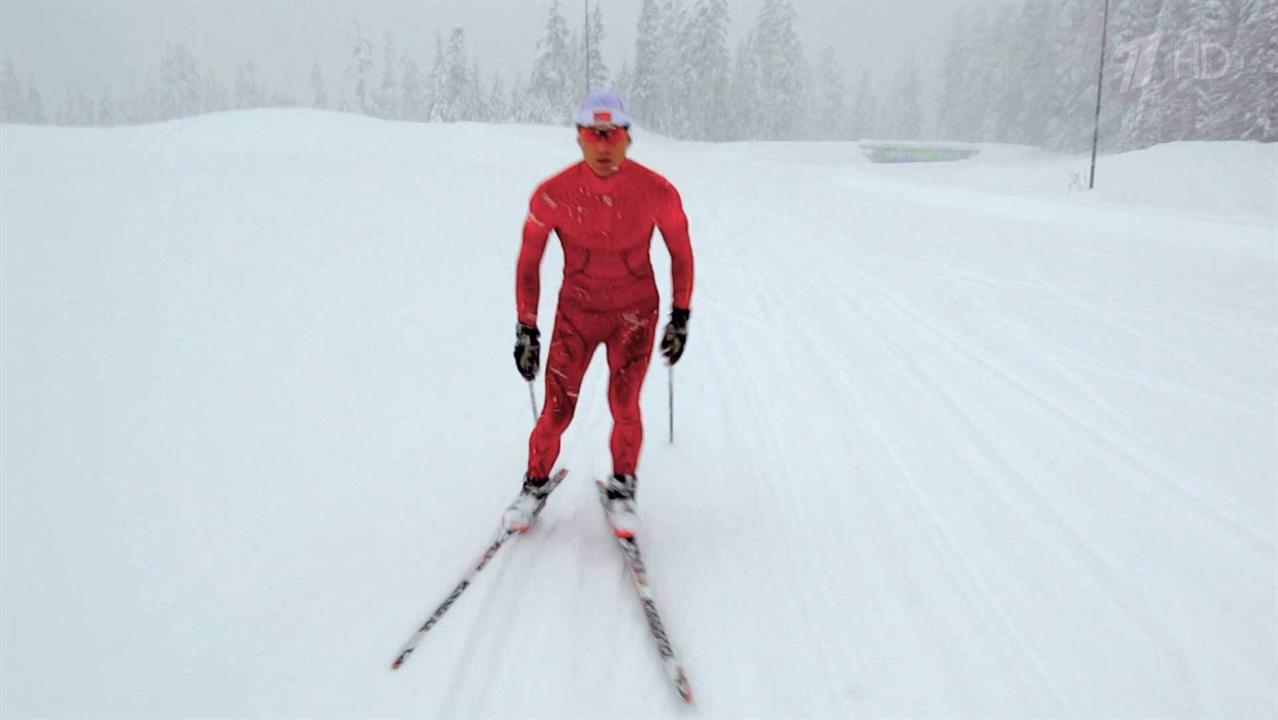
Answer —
(609, 294)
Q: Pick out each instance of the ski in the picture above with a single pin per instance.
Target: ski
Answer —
(639, 574)
(502, 536)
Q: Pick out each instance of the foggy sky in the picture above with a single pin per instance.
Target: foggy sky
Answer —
(93, 45)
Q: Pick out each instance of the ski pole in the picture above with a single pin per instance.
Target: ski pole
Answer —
(532, 401)
(670, 398)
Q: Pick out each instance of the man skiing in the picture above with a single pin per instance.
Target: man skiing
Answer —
(603, 209)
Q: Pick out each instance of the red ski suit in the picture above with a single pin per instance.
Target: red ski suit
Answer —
(609, 294)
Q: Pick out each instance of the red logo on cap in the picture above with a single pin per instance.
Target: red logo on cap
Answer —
(603, 116)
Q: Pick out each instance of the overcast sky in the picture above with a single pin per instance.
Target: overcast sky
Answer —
(92, 44)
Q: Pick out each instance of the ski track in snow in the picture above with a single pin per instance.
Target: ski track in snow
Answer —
(950, 441)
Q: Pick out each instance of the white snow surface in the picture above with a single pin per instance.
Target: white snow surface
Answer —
(951, 440)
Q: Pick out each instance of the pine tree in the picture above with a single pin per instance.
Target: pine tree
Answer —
(357, 72)
(1009, 52)
(435, 84)
(35, 104)
(780, 67)
(907, 118)
(1258, 75)
(412, 94)
(247, 92)
(955, 78)
(387, 96)
(498, 109)
(67, 113)
(179, 85)
(1028, 123)
(674, 58)
(864, 110)
(709, 71)
(453, 102)
(1164, 111)
(647, 81)
(833, 115)
(1131, 22)
(550, 86)
(13, 101)
(998, 77)
(214, 94)
(86, 108)
(625, 79)
(106, 110)
(1214, 24)
(1074, 43)
(598, 75)
(745, 124)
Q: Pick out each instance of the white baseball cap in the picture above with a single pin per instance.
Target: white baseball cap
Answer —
(602, 107)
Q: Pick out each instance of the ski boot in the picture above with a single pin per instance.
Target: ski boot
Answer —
(620, 505)
(523, 511)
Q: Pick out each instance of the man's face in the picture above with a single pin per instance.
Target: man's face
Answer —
(603, 147)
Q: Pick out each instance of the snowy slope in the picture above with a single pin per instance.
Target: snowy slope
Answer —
(951, 440)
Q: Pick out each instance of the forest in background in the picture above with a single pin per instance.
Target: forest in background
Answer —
(1021, 73)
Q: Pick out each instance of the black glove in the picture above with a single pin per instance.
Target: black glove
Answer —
(676, 335)
(527, 350)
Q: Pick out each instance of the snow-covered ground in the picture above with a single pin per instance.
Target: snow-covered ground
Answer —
(952, 440)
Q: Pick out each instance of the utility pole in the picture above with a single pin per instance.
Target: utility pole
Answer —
(1100, 85)
(585, 9)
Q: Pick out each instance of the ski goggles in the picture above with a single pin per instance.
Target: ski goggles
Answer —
(603, 134)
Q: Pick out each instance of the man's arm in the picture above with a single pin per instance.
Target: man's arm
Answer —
(537, 227)
(674, 230)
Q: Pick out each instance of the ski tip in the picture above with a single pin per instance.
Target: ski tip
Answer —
(395, 665)
(624, 534)
(685, 690)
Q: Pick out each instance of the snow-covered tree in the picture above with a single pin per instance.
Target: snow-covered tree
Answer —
(357, 73)
(956, 78)
(13, 99)
(623, 83)
(744, 124)
(1257, 73)
(35, 104)
(180, 86)
(678, 100)
(832, 114)
(248, 94)
(436, 81)
(865, 110)
(1029, 123)
(476, 101)
(708, 71)
(412, 91)
(648, 77)
(498, 102)
(455, 98)
(106, 110)
(778, 60)
(906, 119)
(550, 85)
(596, 70)
(1075, 50)
(213, 95)
(387, 95)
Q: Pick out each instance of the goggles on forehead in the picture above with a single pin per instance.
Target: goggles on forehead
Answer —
(607, 134)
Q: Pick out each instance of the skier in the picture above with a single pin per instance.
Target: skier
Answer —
(603, 209)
